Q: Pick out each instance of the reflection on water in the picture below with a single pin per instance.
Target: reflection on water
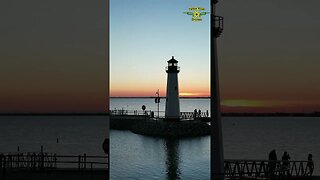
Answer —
(134, 156)
(172, 158)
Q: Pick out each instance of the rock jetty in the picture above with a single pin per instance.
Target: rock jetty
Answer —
(160, 127)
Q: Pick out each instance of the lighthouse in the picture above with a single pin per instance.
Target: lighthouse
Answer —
(172, 100)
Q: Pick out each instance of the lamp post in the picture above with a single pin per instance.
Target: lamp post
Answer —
(216, 146)
(157, 100)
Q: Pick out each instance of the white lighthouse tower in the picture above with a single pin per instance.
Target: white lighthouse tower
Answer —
(172, 100)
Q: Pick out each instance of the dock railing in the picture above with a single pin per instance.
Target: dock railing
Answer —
(235, 169)
(123, 112)
(38, 161)
(154, 114)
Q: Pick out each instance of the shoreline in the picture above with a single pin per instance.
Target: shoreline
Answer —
(54, 114)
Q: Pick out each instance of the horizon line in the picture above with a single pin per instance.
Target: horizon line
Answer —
(244, 114)
(156, 96)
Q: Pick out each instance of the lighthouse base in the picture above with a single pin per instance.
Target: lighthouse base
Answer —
(172, 129)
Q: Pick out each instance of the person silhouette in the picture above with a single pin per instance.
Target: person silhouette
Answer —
(105, 146)
(310, 165)
(199, 113)
(195, 113)
(273, 155)
(286, 164)
(272, 162)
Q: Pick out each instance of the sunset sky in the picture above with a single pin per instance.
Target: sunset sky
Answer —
(145, 34)
(268, 53)
(53, 56)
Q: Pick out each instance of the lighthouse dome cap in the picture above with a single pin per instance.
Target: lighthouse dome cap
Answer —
(172, 60)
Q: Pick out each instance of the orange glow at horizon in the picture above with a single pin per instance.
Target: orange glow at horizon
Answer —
(191, 94)
(152, 92)
(63, 103)
(269, 106)
(240, 101)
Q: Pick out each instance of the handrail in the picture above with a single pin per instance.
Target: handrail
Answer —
(169, 67)
(260, 160)
(183, 115)
(267, 168)
(50, 160)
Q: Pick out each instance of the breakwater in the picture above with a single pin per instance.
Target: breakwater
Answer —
(145, 125)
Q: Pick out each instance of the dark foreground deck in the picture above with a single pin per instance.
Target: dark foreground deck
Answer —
(56, 174)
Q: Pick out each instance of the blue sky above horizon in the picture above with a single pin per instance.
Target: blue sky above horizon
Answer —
(268, 52)
(145, 34)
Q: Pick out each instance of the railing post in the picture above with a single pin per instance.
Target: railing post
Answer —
(55, 160)
(32, 161)
(91, 172)
(4, 168)
(42, 158)
(10, 159)
(300, 169)
(85, 160)
(1, 161)
(18, 161)
(79, 162)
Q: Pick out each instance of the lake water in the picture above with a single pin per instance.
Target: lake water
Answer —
(136, 104)
(77, 134)
(135, 156)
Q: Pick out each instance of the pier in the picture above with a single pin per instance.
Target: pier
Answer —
(127, 114)
(145, 123)
(45, 166)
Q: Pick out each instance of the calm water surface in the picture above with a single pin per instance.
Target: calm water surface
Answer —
(135, 156)
(76, 134)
